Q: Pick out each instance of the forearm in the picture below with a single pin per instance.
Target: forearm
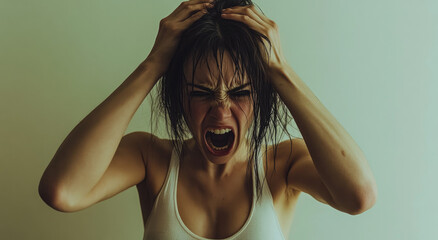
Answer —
(87, 151)
(339, 161)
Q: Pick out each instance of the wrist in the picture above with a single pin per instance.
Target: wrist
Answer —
(145, 76)
(156, 64)
(152, 67)
(281, 75)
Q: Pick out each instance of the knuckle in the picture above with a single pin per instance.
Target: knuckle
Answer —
(172, 27)
(273, 24)
(163, 22)
(168, 25)
(184, 3)
(271, 32)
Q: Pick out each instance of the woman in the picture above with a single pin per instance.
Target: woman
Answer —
(224, 80)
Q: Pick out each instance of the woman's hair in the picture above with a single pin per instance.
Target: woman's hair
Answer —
(211, 36)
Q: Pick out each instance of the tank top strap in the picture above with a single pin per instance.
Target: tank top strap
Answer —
(173, 166)
(174, 159)
(166, 190)
(260, 166)
(266, 192)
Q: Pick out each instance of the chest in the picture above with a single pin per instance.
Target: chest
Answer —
(218, 210)
(210, 210)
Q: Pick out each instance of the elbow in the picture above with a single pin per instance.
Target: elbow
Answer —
(365, 201)
(53, 199)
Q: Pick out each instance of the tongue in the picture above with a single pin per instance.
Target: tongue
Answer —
(219, 140)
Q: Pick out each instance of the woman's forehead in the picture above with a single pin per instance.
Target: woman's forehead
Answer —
(211, 72)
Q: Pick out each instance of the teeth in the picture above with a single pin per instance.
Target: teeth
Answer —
(220, 131)
(216, 148)
(220, 148)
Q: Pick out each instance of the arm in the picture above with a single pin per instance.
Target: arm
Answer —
(328, 164)
(95, 162)
(85, 154)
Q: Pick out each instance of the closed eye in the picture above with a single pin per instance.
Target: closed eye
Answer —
(199, 94)
(243, 93)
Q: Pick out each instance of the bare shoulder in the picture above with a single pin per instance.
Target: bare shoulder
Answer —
(156, 153)
(153, 148)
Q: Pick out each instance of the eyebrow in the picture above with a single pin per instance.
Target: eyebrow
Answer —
(211, 91)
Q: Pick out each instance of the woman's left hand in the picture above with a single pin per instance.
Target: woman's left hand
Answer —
(260, 23)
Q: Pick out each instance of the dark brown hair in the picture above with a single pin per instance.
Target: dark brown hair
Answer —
(212, 35)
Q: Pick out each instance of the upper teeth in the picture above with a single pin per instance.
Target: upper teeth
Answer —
(220, 131)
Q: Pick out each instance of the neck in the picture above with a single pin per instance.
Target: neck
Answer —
(216, 171)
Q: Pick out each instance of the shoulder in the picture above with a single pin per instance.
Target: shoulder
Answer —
(156, 153)
(153, 148)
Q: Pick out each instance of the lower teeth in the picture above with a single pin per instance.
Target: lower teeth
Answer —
(216, 148)
(220, 148)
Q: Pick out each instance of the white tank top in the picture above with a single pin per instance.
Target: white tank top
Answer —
(165, 223)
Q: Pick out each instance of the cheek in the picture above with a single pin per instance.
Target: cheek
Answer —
(244, 108)
(196, 112)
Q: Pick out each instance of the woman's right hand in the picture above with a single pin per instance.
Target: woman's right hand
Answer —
(170, 31)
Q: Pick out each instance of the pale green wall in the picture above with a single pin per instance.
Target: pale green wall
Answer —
(372, 63)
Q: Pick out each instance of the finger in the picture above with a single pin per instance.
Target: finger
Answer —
(246, 10)
(188, 21)
(253, 24)
(190, 10)
(186, 8)
(199, 1)
(260, 14)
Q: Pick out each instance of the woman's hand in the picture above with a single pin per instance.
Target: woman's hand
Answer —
(260, 23)
(170, 31)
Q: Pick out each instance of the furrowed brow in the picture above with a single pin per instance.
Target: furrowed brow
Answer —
(238, 88)
(200, 87)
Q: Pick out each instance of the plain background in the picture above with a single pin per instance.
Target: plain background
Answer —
(372, 63)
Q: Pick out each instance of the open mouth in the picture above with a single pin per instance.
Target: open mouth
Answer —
(219, 141)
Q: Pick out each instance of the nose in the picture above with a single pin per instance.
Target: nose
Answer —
(220, 109)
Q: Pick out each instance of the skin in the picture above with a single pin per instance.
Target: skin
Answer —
(212, 196)
(327, 163)
(331, 167)
(96, 161)
(224, 108)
